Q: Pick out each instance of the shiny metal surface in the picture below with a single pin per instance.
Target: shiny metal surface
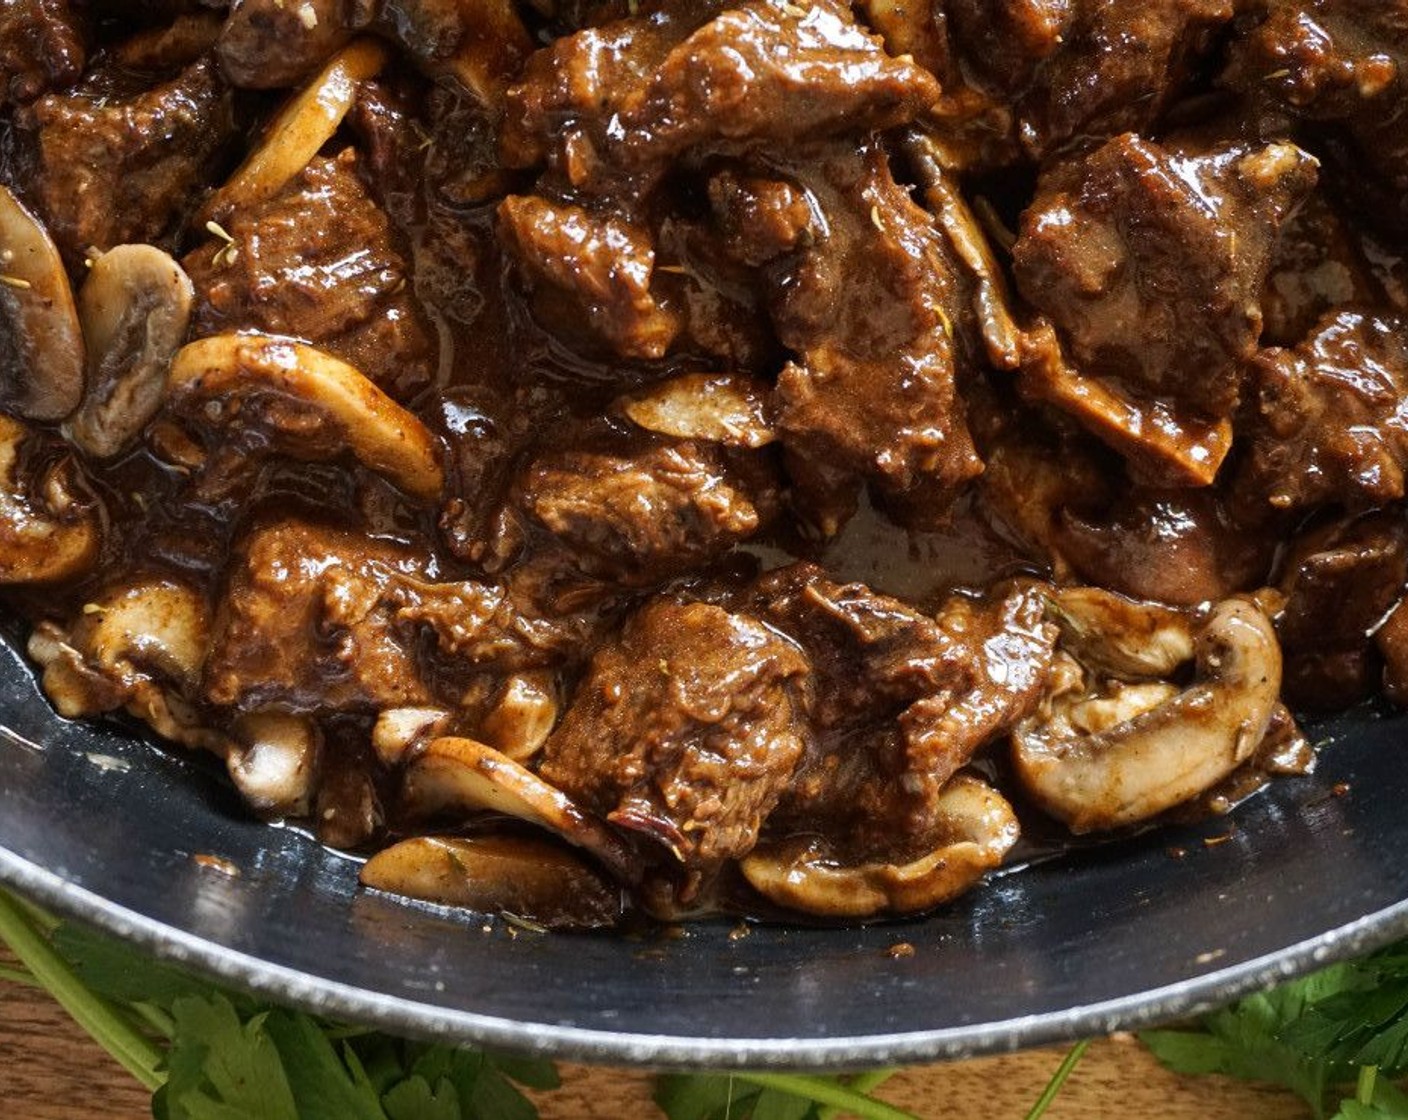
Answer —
(105, 827)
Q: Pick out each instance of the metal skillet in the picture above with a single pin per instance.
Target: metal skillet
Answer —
(155, 848)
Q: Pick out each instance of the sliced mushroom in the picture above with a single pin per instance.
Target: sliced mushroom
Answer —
(254, 379)
(398, 730)
(991, 301)
(720, 407)
(138, 646)
(302, 127)
(979, 828)
(1113, 756)
(454, 774)
(48, 530)
(523, 715)
(134, 307)
(1119, 636)
(41, 345)
(274, 762)
(516, 875)
(1167, 445)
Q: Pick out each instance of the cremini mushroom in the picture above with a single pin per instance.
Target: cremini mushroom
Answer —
(522, 716)
(325, 405)
(134, 307)
(49, 529)
(397, 730)
(991, 301)
(453, 774)
(1118, 636)
(1101, 754)
(979, 827)
(274, 761)
(139, 646)
(41, 344)
(521, 876)
(724, 408)
(301, 127)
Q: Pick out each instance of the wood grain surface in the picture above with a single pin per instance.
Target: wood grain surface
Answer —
(50, 1070)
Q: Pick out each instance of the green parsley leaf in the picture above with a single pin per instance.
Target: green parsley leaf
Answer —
(223, 1069)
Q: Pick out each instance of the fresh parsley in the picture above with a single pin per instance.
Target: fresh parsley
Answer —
(1338, 1038)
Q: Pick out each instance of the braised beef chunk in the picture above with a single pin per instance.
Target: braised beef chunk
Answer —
(474, 45)
(318, 262)
(108, 171)
(1024, 79)
(269, 44)
(599, 266)
(1327, 422)
(1117, 67)
(686, 730)
(1340, 581)
(1339, 64)
(747, 439)
(903, 701)
(1392, 644)
(1005, 42)
(1131, 252)
(626, 97)
(641, 514)
(1319, 265)
(40, 49)
(1169, 546)
(865, 303)
(307, 624)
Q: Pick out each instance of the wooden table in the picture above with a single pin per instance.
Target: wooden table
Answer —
(50, 1070)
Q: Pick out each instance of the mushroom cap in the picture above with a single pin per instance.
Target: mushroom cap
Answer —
(47, 533)
(978, 829)
(462, 775)
(274, 761)
(1168, 749)
(301, 128)
(135, 307)
(41, 344)
(730, 409)
(216, 376)
(522, 876)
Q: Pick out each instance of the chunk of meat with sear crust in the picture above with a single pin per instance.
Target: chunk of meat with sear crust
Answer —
(318, 262)
(271, 44)
(1328, 421)
(641, 514)
(599, 266)
(687, 729)
(109, 171)
(864, 294)
(1341, 65)
(308, 624)
(40, 49)
(628, 97)
(1341, 580)
(1150, 260)
(903, 701)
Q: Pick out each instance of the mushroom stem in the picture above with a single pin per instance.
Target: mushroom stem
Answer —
(41, 345)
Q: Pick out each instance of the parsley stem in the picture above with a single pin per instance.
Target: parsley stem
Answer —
(860, 1083)
(1364, 1089)
(95, 1015)
(1058, 1079)
(154, 1017)
(18, 976)
(827, 1093)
